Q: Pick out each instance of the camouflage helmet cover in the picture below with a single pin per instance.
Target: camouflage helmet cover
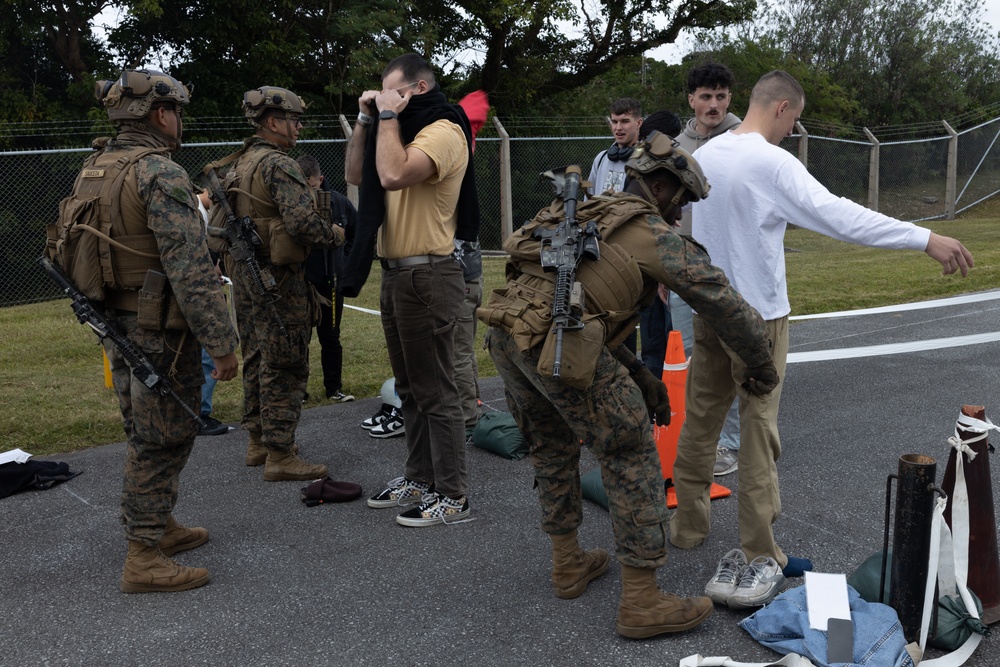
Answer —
(258, 101)
(659, 151)
(132, 96)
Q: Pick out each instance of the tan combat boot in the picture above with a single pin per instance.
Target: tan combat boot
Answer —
(572, 567)
(284, 466)
(645, 611)
(256, 452)
(147, 570)
(177, 538)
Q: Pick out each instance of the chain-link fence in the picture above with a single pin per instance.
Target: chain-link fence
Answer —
(913, 180)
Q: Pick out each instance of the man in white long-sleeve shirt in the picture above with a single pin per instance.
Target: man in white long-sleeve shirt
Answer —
(757, 188)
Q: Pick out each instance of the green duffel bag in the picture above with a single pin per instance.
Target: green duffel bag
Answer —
(954, 624)
(497, 432)
(593, 488)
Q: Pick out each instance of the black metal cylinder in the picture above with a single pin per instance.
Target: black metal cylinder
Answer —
(911, 540)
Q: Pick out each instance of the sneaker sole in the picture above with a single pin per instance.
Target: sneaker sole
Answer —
(421, 522)
(387, 434)
(735, 602)
(642, 632)
(720, 597)
(385, 504)
(727, 471)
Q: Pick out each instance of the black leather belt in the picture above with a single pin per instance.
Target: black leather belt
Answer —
(415, 260)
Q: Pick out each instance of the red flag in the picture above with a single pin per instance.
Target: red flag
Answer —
(477, 106)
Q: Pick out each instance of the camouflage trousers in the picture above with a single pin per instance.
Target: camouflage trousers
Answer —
(610, 418)
(160, 434)
(275, 366)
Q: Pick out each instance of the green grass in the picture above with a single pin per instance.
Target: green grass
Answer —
(53, 399)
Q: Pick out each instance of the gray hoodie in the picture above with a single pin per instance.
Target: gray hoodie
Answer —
(690, 140)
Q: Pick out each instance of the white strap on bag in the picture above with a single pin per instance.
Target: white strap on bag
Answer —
(949, 555)
(790, 660)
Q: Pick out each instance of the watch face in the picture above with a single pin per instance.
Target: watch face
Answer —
(385, 115)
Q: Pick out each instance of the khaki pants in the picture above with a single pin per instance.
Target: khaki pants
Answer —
(714, 377)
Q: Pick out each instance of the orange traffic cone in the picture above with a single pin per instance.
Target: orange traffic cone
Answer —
(984, 562)
(675, 366)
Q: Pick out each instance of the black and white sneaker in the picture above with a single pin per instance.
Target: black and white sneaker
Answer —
(390, 427)
(340, 397)
(378, 417)
(435, 508)
(212, 426)
(401, 492)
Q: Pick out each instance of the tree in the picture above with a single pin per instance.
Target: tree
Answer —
(49, 56)
(905, 61)
(527, 56)
(342, 44)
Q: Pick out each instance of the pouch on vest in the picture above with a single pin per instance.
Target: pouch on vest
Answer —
(152, 301)
(254, 199)
(73, 249)
(580, 351)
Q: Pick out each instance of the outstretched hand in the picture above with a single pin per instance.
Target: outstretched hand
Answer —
(952, 255)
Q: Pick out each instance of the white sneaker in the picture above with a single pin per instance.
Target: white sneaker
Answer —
(390, 426)
(722, 586)
(377, 418)
(760, 583)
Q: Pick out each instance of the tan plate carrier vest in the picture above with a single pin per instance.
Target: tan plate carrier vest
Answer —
(250, 196)
(613, 289)
(102, 240)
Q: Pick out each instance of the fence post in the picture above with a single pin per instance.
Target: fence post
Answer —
(352, 190)
(872, 171)
(803, 144)
(950, 187)
(506, 206)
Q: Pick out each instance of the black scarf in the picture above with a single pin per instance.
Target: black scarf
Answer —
(421, 111)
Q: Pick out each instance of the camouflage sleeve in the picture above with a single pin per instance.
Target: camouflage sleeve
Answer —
(173, 217)
(685, 268)
(294, 200)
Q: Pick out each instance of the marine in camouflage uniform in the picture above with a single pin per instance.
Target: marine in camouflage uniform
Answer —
(608, 413)
(276, 363)
(147, 107)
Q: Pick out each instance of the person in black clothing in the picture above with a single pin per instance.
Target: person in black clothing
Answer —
(324, 267)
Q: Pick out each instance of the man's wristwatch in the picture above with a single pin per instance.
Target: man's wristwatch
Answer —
(364, 119)
(386, 115)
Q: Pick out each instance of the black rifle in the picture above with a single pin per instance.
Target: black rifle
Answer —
(242, 238)
(561, 251)
(142, 368)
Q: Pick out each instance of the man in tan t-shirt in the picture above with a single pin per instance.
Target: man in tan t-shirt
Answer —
(413, 168)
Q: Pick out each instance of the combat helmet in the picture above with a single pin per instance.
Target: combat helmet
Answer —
(132, 96)
(259, 101)
(659, 151)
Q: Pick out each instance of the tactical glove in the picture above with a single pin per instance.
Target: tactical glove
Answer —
(760, 380)
(655, 393)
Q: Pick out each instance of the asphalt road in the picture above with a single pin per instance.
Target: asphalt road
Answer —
(345, 585)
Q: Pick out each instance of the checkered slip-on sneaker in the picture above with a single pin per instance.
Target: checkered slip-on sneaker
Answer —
(435, 509)
(400, 492)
